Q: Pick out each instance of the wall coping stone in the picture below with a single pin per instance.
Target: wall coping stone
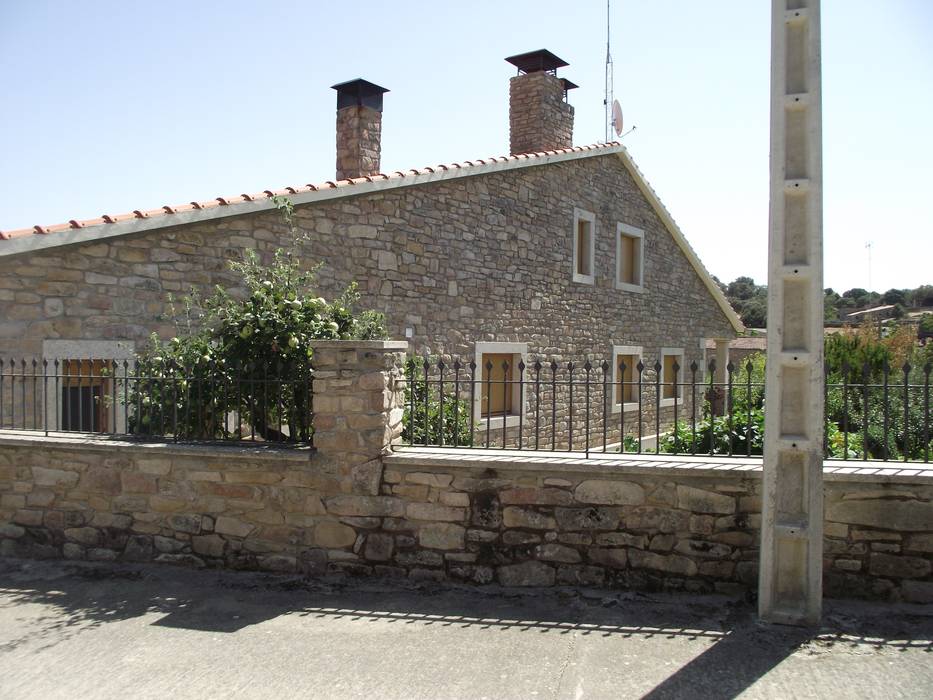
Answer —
(612, 465)
(251, 452)
(472, 459)
(386, 345)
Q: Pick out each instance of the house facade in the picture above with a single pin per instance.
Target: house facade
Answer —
(553, 252)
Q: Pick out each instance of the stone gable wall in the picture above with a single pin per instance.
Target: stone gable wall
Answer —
(479, 258)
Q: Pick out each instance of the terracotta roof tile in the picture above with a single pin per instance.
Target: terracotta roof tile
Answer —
(167, 210)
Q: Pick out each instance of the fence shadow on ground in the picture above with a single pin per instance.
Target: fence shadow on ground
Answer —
(737, 649)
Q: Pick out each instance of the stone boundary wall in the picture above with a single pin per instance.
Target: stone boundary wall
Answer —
(351, 505)
(479, 518)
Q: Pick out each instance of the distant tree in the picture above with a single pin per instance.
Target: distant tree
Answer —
(855, 293)
(755, 312)
(830, 306)
(922, 296)
(742, 288)
(894, 296)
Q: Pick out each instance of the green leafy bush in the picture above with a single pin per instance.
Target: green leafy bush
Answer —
(425, 397)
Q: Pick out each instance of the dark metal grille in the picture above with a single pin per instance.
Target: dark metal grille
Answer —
(207, 403)
(575, 406)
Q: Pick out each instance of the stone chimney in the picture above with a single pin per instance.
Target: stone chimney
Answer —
(359, 128)
(540, 119)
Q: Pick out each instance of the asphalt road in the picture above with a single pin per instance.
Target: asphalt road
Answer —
(71, 630)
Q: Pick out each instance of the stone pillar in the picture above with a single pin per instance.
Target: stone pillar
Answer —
(790, 587)
(722, 360)
(539, 118)
(358, 405)
(718, 399)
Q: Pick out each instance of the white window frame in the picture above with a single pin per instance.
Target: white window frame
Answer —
(578, 216)
(519, 351)
(636, 350)
(83, 350)
(679, 396)
(638, 234)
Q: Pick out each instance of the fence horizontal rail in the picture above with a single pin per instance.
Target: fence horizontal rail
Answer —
(637, 407)
(203, 402)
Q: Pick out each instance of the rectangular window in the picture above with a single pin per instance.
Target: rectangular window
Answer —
(671, 380)
(497, 383)
(629, 258)
(85, 391)
(497, 394)
(83, 394)
(625, 386)
(584, 246)
(625, 376)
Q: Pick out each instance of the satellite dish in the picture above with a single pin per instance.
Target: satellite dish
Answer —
(617, 117)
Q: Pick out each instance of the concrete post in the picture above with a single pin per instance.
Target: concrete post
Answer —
(358, 405)
(790, 576)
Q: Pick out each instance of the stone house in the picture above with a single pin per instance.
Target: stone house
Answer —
(554, 251)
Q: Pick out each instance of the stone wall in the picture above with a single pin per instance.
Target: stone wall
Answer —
(532, 521)
(350, 505)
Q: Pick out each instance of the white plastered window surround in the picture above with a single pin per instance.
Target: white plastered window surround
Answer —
(583, 243)
(518, 400)
(80, 351)
(671, 394)
(631, 355)
(630, 258)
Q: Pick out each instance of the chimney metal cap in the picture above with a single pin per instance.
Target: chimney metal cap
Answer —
(359, 93)
(568, 85)
(534, 61)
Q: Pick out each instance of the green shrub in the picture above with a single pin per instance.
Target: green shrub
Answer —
(425, 397)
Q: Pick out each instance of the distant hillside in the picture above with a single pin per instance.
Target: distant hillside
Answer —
(750, 301)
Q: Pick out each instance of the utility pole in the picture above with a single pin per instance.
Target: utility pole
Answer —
(790, 588)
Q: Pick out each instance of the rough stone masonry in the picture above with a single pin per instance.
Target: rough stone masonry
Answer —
(352, 506)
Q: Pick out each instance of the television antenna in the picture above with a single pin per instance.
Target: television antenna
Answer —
(612, 121)
(868, 246)
(608, 102)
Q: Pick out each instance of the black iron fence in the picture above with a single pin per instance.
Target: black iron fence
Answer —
(636, 407)
(204, 402)
(627, 407)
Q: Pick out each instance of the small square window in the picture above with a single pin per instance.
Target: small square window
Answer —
(630, 266)
(584, 246)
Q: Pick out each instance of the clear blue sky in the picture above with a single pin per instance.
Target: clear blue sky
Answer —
(113, 106)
